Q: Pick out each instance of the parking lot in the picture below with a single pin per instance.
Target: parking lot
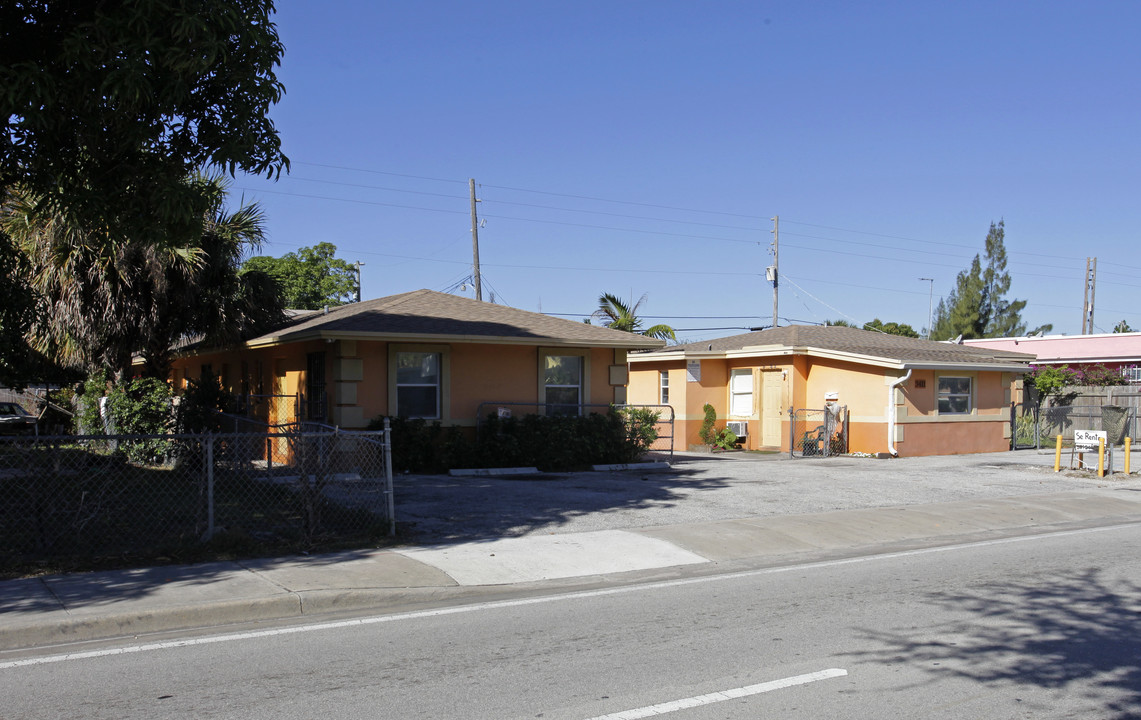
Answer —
(703, 488)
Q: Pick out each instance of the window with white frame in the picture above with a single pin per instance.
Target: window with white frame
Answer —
(1133, 374)
(741, 392)
(562, 384)
(664, 387)
(955, 396)
(418, 385)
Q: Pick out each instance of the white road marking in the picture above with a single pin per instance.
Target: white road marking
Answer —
(723, 695)
(478, 607)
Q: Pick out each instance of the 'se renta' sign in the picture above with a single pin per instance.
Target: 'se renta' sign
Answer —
(1087, 440)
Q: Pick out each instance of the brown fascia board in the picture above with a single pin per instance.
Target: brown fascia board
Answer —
(416, 338)
(996, 367)
(898, 364)
(760, 351)
(668, 356)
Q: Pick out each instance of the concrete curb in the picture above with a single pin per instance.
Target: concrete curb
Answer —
(622, 467)
(119, 624)
(493, 472)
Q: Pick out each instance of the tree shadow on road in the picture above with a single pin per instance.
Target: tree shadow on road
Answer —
(1080, 634)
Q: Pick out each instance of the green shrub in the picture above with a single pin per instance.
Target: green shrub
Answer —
(708, 436)
(1050, 379)
(726, 439)
(420, 446)
(549, 443)
(142, 407)
(641, 428)
(198, 408)
(92, 389)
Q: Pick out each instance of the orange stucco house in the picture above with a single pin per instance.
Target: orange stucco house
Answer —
(904, 396)
(421, 354)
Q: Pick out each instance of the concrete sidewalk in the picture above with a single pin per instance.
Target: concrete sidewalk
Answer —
(71, 608)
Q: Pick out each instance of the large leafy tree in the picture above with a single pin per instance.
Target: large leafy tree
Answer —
(877, 325)
(619, 315)
(891, 328)
(978, 307)
(107, 106)
(311, 278)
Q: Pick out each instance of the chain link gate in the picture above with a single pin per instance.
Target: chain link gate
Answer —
(818, 433)
(1024, 425)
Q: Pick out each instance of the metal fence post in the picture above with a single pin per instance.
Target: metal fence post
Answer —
(209, 485)
(389, 490)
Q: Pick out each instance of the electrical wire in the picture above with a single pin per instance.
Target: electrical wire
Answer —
(786, 220)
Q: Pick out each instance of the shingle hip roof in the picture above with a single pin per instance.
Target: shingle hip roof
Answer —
(426, 314)
(854, 341)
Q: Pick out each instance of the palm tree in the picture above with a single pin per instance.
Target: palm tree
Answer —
(214, 301)
(107, 296)
(86, 281)
(620, 316)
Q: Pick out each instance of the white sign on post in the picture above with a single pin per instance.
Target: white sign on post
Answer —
(1087, 440)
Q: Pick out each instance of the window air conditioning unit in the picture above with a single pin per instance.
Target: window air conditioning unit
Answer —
(740, 428)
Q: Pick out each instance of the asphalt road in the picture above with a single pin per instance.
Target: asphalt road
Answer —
(1038, 627)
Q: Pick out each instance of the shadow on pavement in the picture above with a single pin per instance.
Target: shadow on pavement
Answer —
(1081, 634)
(442, 509)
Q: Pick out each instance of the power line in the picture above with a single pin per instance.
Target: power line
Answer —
(687, 271)
(351, 200)
(659, 206)
(617, 229)
(379, 172)
(486, 199)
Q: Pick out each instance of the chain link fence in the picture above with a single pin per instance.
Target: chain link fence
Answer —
(1117, 421)
(818, 433)
(148, 496)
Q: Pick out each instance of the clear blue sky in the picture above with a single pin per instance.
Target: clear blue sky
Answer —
(642, 148)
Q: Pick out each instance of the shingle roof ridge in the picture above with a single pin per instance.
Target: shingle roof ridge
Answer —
(439, 309)
(846, 339)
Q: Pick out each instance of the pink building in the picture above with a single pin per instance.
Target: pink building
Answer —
(1120, 351)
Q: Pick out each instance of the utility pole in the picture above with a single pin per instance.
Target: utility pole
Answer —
(359, 263)
(1087, 299)
(930, 297)
(774, 270)
(475, 242)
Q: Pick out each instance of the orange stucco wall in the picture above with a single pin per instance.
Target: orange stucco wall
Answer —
(863, 389)
(688, 398)
(357, 379)
(948, 438)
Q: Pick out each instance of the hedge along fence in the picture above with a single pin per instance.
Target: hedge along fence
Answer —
(550, 443)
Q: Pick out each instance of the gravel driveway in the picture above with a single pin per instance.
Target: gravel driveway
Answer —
(703, 488)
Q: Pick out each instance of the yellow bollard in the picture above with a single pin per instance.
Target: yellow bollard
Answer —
(1058, 454)
(1127, 442)
(1100, 457)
